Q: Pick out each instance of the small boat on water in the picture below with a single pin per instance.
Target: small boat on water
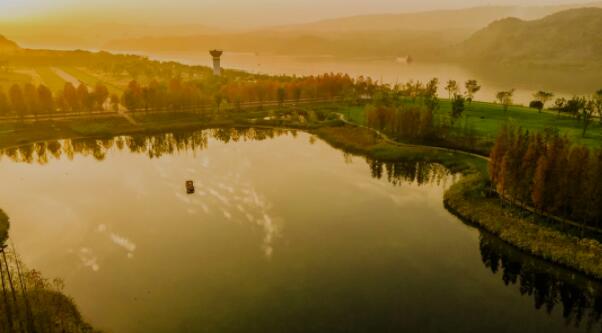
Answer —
(189, 186)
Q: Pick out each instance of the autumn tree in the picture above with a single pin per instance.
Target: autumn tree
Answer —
(452, 88)
(505, 98)
(543, 97)
(100, 96)
(4, 103)
(17, 100)
(45, 99)
(472, 88)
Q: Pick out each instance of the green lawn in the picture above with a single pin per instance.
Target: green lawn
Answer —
(488, 118)
(50, 78)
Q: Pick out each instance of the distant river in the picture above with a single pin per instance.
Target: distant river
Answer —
(494, 78)
(283, 234)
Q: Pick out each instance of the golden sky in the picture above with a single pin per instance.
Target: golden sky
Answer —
(225, 12)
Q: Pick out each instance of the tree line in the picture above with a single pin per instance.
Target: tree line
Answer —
(547, 172)
(29, 99)
(178, 94)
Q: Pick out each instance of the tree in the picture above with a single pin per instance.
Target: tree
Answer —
(597, 99)
(4, 104)
(431, 100)
(85, 99)
(588, 110)
(543, 97)
(452, 88)
(537, 105)
(132, 96)
(457, 106)
(281, 96)
(17, 100)
(114, 102)
(30, 94)
(472, 87)
(45, 99)
(505, 98)
(100, 95)
(70, 96)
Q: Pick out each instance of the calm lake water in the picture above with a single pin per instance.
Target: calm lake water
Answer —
(564, 82)
(283, 234)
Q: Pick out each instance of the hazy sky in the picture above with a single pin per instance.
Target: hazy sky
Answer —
(228, 12)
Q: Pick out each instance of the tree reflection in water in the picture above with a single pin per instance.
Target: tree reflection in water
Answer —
(579, 297)
(550, 286)
(154, 146)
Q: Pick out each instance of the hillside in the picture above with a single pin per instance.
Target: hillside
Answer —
(7, 45)
(572, 37)
(467, 20)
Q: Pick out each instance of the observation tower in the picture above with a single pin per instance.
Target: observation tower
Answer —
(217, 67)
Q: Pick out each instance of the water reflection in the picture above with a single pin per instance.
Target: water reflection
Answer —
(551, 287)
(153, 145)
(418, 172)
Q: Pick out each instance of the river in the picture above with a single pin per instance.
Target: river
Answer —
(563, 82)
(283, 234)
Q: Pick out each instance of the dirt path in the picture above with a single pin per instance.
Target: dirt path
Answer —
(66, 76)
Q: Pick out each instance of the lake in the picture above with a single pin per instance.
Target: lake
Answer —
(283, 234)
(563, 82)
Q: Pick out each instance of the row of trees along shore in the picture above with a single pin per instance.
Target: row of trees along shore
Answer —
(29, 99)
(547, 172)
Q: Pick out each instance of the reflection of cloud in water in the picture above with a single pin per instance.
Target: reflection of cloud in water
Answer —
(227, 214)
(88, 259)
(205, 208)
(191, 211)
(219, 197)
(182, 197)
(271, 231)
(125, 243)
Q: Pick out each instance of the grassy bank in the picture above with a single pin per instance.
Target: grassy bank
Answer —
(467, 199)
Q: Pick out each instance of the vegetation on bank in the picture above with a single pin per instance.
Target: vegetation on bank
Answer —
(4, 224)
(30, 303)
(468, 200)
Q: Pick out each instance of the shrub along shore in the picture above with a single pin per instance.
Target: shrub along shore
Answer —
(468, 198)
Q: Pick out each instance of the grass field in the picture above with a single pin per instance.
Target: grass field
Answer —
(91, 80)
(8, 78)
(488, 118)
(50, 78)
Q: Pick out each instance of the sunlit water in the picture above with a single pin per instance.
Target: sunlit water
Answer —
(563, 82)
(283, 234)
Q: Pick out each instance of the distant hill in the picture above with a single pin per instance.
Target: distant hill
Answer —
(572, 37)
(423, 35)
(468, 19)
(7, 45)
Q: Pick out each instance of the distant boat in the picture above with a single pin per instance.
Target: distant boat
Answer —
(404, 60)
(189, 186)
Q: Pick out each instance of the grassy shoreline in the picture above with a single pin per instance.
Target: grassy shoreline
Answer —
(466, 199)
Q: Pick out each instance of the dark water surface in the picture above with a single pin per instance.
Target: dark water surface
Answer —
(283, 234)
